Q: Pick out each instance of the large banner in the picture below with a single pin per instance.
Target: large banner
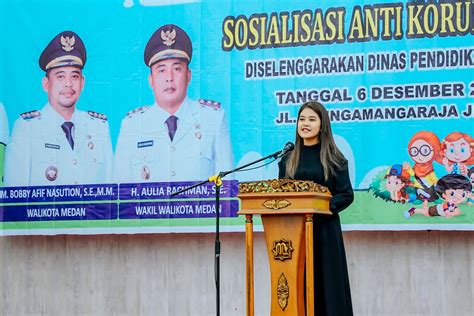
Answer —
(107, 108)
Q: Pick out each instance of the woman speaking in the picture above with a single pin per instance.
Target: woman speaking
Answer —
(317, 158)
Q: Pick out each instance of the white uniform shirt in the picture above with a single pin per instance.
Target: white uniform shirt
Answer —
(200, 148)
(39, 153)
(4, 130)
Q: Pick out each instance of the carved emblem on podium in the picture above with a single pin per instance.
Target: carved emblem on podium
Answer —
(283, 291)
(281, 185)
(276, 204)
(282, 249)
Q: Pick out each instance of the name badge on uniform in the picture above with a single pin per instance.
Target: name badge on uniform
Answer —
(147, 143)
(52, 146)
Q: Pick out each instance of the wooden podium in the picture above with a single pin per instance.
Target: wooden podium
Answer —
(286, 208)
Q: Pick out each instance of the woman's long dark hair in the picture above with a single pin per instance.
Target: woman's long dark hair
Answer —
(331, 157)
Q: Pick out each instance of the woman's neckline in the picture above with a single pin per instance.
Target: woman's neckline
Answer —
(312, 146)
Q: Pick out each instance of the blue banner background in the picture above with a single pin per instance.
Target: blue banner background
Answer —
(115, 33)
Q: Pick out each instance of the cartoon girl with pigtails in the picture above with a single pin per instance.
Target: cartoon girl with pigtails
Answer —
(458, 153)
(424, 148)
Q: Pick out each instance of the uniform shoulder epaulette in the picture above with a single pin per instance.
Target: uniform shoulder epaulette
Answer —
(141, 109)
(30, 115)
(213, 104)
(97, 115)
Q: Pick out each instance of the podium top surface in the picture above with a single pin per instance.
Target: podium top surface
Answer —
(283, 196)
(288, 186)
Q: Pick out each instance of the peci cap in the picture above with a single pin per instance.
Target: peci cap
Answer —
(169, 41)
(65, 49)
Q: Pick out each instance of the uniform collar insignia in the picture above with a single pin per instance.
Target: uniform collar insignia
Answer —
(168, 37)
(213, 104)
(97, 115)
(68, 43)
(140, 110)
(30, 115)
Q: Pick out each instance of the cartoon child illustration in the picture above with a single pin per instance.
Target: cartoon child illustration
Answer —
(458, 153)
(470, 175)
(454, 189)
(398, 179)
(424, 148)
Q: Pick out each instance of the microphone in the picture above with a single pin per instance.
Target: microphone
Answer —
(288, 147)
(278, 154)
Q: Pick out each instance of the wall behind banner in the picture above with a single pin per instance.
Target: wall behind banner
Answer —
(170, 274)
(385, 70)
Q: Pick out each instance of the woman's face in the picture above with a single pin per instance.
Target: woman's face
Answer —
(309, 126)
(421, 152)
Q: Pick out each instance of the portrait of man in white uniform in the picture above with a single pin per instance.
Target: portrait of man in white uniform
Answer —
(176, 138)
(59, 144)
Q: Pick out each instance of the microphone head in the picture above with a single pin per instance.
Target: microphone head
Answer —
(289, 147)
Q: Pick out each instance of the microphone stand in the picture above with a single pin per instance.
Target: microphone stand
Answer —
(217, 179)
